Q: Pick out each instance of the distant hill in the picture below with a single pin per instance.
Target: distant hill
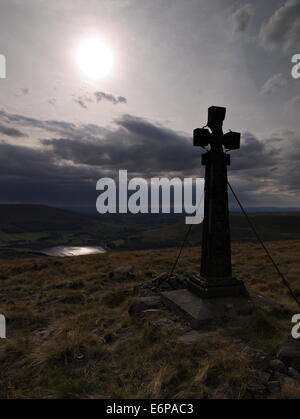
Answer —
(93, 210)
(271, 226)
(38, 218)
(40, 226)
(37, 226)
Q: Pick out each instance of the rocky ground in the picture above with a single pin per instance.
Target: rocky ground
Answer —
(274, 371)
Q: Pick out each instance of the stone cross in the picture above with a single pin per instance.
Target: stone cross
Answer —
(215, 279)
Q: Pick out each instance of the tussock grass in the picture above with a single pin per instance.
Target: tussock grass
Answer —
(70, 334)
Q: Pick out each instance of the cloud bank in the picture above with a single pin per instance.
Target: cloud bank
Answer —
(282, 30)
(71, 158)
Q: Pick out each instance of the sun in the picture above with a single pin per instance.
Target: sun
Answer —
(94, 58)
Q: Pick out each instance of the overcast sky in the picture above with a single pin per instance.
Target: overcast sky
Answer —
(60, 131)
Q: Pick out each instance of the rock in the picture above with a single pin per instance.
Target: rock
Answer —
(289, 353)
(262, 361)
(230, 309)
(289, 381)
(284, 379)
(277, 365)
(251, 352)
(162, 323)
(166, 282)
(151, 311)
(277, 376)
(194, 337)
(257, 390)
(165, 286)
(122, 273)
(259, 359)
(274, 386)
(125, 271)
(160, 278)
(264, 376)
(174, 284)
(144, 303)
(294, 374)
(124, 333)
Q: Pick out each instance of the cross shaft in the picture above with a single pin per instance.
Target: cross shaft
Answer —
(215, 278)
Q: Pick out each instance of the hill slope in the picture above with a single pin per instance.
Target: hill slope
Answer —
(40, 226)
(69, 334)
(271, 226)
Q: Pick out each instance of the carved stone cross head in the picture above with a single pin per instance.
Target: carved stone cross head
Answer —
(214, 135)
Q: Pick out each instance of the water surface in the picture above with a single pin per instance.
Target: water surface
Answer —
(72, 251)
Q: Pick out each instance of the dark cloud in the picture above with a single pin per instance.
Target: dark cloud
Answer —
(52, 102)
(61, 128)
(273, 175)
(282, 30)
(86, 99)
(83, 100)
(54, 126)
(33, 175)
(67, 166)
(100, 96)
(241, 18)
(255, 154)
(11, 132)
(81, 103)
(135, 144)
(144, 147)
(273, 84)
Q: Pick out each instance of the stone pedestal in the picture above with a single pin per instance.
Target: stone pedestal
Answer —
(201, 313)
(215, 288)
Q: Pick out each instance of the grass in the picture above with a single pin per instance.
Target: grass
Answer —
(70, 334)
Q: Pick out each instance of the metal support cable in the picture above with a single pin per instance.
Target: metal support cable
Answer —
(283, 279)
(180, 251)
(184, 241)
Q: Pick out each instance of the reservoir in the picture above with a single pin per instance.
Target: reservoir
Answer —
(72, 251)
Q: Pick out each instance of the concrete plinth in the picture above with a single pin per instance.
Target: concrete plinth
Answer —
(200, 312)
